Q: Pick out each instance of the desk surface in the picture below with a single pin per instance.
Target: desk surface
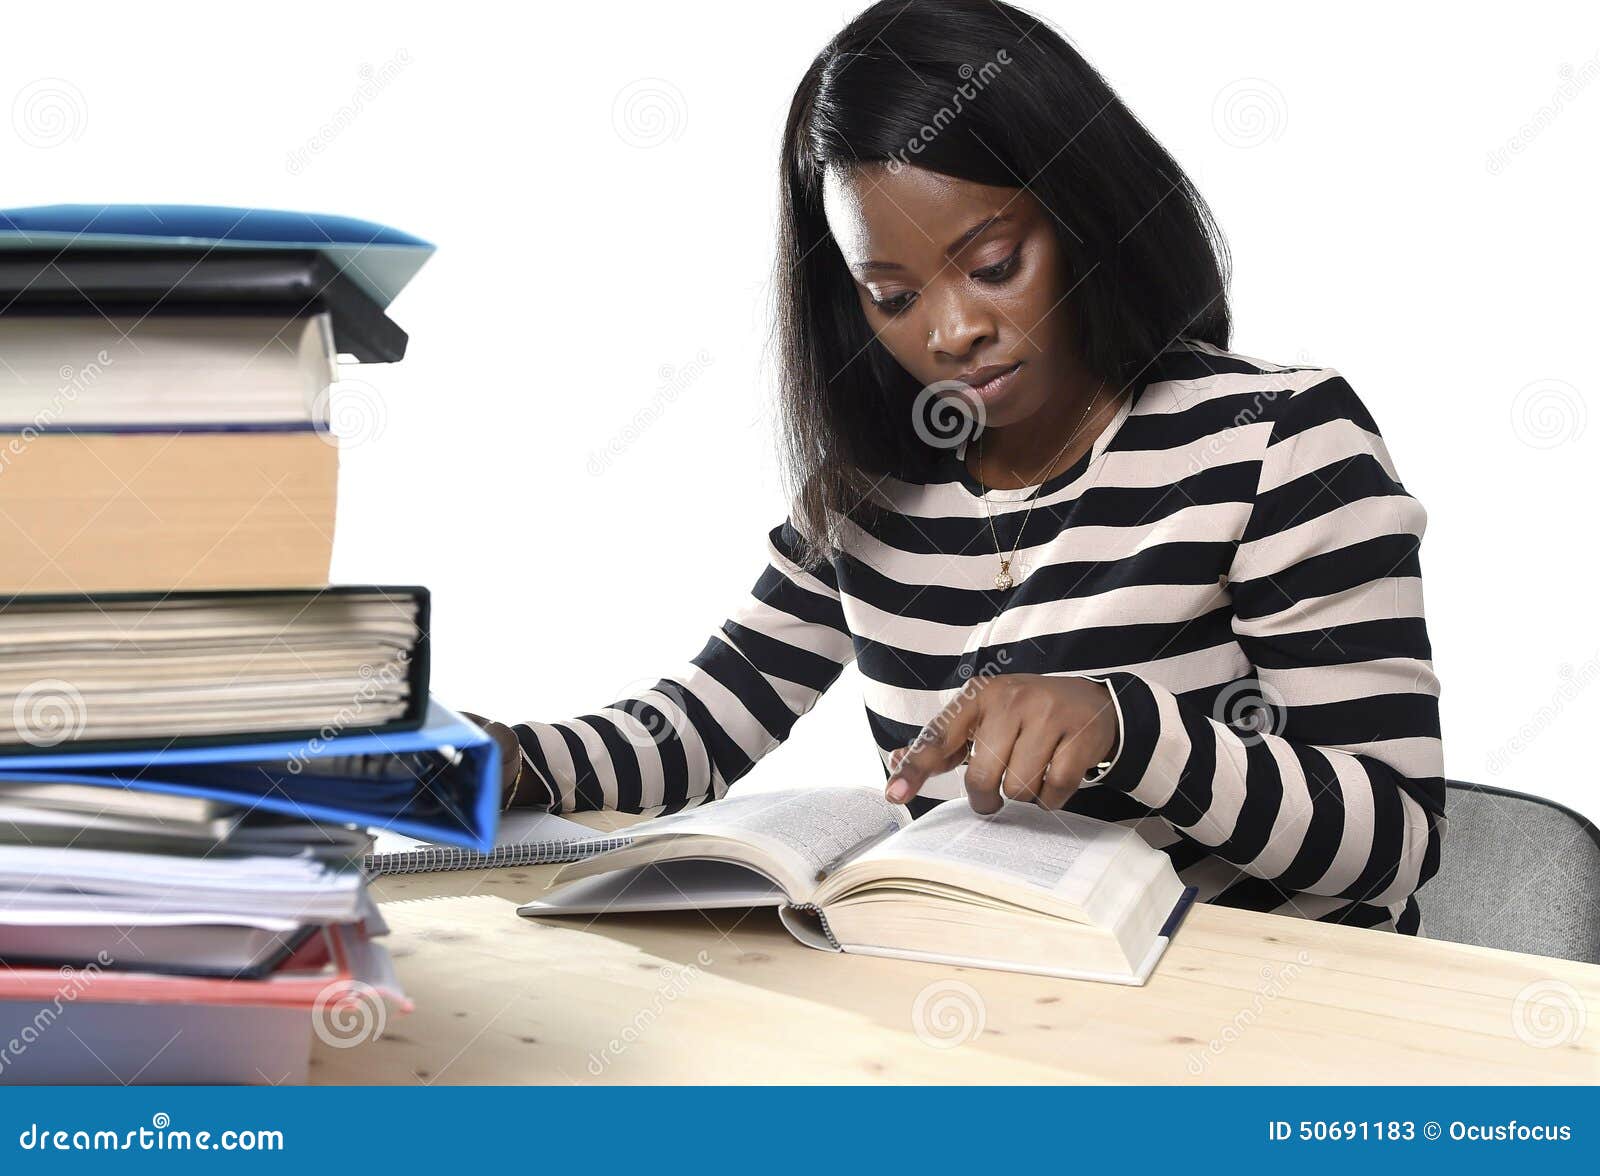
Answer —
(729, 997)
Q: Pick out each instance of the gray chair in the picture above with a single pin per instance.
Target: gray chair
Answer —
(1515, 872)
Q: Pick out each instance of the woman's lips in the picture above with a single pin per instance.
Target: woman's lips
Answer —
(996, 386)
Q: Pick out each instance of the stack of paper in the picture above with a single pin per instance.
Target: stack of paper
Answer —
(203, 909)
(197, 731)
(195, 890)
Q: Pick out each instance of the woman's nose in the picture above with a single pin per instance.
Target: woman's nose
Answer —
(958, 326)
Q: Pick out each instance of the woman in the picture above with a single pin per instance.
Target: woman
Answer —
(1084, 555)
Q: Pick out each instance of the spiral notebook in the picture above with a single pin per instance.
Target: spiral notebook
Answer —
(528, 838)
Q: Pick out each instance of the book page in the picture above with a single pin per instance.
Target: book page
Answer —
(691, 885)
(1062, 853)
(807, 829)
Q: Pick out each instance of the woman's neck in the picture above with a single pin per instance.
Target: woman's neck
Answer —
(1035, 450)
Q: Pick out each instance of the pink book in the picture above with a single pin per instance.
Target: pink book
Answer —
(340, 964)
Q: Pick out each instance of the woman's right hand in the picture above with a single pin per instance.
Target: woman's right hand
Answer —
(513, 775)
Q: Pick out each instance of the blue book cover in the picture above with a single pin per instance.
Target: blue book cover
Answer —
(379, 259)
(440, 782)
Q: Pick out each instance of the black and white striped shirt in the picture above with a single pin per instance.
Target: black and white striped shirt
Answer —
(1235, 556)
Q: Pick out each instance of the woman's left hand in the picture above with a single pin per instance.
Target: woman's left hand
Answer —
(1029, 736)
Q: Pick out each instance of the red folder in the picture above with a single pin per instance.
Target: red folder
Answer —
(337, 966)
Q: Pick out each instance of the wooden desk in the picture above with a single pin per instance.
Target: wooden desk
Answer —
(730, 997)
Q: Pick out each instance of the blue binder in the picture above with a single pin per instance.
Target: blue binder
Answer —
(379, 259)
(440, 782)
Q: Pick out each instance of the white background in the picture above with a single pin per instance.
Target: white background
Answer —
(576, 454)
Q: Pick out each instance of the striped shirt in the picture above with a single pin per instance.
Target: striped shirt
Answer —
(1235, 557)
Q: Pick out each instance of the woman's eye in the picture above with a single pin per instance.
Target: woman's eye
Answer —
(1001, 270)
(893, 305)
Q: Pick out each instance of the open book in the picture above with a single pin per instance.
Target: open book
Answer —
(1024, 890)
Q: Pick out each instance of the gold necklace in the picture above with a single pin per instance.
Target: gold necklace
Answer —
(1002, 579)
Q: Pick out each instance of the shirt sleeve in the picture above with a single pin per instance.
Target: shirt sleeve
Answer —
(1325, 774)
(692, 734)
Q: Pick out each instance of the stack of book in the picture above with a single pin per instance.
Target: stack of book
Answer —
(197, 731)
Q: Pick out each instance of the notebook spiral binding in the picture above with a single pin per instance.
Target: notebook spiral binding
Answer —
(435, 858)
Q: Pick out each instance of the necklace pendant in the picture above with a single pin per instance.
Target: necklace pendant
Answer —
(1002, 579)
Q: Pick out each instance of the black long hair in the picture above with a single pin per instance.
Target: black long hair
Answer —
(981, 91)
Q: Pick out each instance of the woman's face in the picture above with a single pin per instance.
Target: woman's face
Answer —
(959, 281)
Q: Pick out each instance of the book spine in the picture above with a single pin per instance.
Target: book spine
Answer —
(1179, 911)
(822, 922)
